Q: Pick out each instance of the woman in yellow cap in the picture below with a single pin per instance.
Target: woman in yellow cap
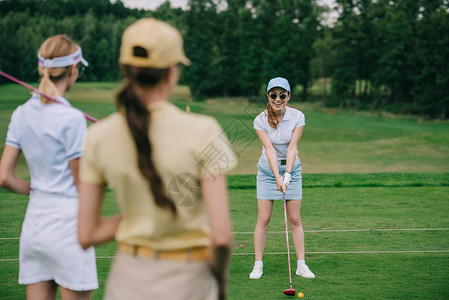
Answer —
(167, 169)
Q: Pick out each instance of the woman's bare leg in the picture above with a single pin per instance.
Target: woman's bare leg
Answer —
(294, 218)
(45, 290)
(265, 208)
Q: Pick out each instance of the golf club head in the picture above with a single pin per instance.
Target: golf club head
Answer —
(289, 292)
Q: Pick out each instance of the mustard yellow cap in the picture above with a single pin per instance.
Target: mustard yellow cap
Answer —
(151, 43)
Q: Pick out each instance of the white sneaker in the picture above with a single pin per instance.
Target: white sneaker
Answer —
(303, 270)
(256, 273)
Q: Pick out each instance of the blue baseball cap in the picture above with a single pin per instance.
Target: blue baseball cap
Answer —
(278, 82)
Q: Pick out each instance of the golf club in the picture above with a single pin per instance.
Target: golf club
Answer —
(290, 291)
(42, 94)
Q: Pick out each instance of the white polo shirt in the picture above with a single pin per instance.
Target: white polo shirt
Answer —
(280, 137)
(49, 136)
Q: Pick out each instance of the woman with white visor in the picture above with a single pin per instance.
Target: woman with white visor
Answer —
(279, 128)
(50, 136)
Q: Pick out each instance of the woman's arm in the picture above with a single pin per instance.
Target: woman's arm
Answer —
(92, 228)
(272, 157)
(74, 165)
(292, 149)
(8, 180)
(215, 196)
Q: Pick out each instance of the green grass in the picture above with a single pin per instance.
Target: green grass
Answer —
(362, 174)
(332, 142)
(361, 261)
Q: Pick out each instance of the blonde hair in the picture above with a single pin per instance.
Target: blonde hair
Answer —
(55, 46)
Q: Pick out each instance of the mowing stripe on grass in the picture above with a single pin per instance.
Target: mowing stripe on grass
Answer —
(285, 253)
(353, 252)
(353, 230)
(327, 230)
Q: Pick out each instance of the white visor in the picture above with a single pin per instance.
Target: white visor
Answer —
(63, 61)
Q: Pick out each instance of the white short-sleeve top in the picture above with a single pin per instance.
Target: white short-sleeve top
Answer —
(49, 136)
(280, 137)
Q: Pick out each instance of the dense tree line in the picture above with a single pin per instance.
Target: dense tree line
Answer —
(392, 54)
(238, 49)
(96, 25)
(379, 54)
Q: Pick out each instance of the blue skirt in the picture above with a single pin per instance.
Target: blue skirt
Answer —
(266, 183)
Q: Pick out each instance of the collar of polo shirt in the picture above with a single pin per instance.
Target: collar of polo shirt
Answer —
(287, 114)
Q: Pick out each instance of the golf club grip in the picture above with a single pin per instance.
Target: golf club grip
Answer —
(29, 87)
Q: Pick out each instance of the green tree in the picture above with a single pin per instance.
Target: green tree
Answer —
(97, 26)
(173, 16)
(347, 34)
(289, 30)
(433, 83)
(228, 47)
(18, 54)
(275, 37)
(323, 63)
(200, 48)
(303, 26)
(103, 64)
(395, 67)
(251, 52)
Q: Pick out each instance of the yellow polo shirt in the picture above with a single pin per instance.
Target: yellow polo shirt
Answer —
(186, 148)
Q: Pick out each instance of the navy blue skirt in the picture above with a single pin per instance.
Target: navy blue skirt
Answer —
(266, 183)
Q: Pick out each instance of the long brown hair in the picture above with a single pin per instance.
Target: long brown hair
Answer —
(271, 116)
(55, 46)
(138, 119)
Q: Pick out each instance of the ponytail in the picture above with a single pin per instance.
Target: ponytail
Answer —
(55, 46)
(271, 116)
(47, 86)
(138, 120)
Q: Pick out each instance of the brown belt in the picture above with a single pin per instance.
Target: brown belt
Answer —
(192, 254)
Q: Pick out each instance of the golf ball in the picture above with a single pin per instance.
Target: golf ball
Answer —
(300, 295)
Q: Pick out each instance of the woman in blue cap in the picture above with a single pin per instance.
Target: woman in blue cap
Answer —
(279, 128)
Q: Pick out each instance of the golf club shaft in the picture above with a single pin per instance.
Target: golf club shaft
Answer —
(286, 236)
(40, 93)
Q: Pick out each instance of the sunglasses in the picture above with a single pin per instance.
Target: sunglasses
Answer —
(281, 95)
